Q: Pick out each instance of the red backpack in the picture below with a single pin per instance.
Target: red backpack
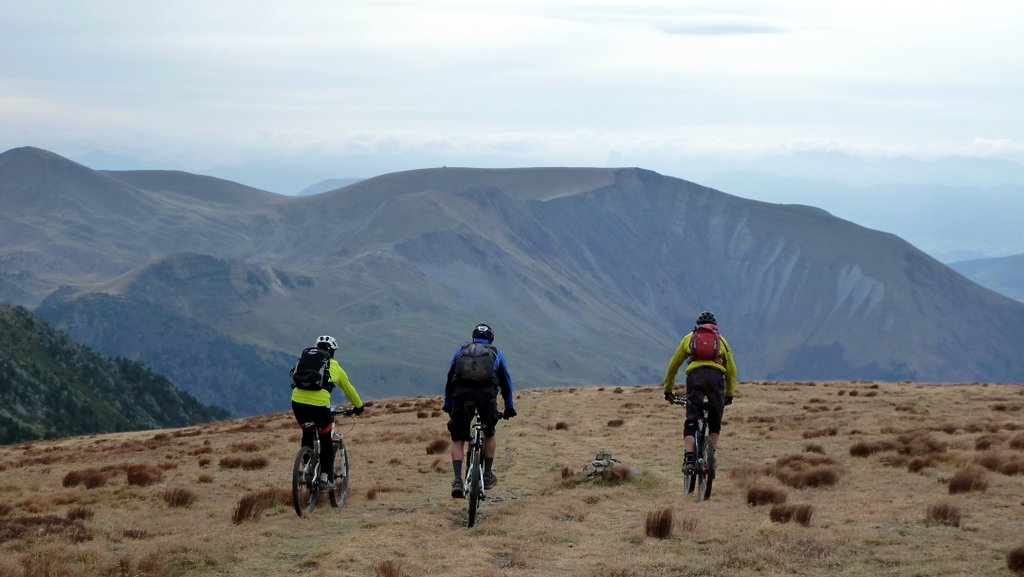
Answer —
(705, 343)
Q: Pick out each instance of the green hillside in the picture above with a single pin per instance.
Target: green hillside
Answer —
(52, 387)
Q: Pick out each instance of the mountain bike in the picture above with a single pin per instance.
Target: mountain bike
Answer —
(306, 472)
(474, 482)
(703, 475)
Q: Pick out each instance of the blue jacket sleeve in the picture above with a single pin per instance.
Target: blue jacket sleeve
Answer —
(504, 380)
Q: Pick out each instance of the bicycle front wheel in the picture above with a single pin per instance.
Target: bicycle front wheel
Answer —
(304, 489)
(706, 477)
(475, 483)
(339, 491)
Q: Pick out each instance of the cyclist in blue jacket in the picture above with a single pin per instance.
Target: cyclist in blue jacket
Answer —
(478, 370)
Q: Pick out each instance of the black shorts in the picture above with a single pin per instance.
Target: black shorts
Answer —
(465, 403)
(705, 382)
(321, 417)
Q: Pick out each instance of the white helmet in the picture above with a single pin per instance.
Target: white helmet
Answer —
(332, 345)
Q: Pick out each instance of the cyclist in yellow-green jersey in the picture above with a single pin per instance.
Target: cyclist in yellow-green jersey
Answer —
(312, 407)
(710, 374)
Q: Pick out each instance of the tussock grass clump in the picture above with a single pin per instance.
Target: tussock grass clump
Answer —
(252, 505)
(815, 433)
(812, 448)
(179, 497)
(143, 475)
(918, 443)
(945, 514)
(136, 534)
(969, 478)
(615, 475)
(1015, 560)
(371, 493)
(988, 441)
(807, 470)
(437, 446)
(866, 448)
(786, 513)
(245, 447)
(388, 568)
(559, 426)
(250, 464)
(79, 514)
(764, 494)
(1017, 442)
(1005, 462)
(89, 478)
(17, 528)
(616, 422)
(659, 523)
(5, 509)
(748, 474)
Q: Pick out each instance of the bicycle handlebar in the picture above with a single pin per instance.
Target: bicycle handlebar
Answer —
(348, 412)
(677, 400)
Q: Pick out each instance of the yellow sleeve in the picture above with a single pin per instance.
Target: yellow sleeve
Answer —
(682, 351)
(730, 369)
(340, 378)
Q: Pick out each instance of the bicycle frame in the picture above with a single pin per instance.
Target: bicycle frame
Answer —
(307, 469)
(704, 456)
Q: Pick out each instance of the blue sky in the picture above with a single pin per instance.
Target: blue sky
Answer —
(353, 89)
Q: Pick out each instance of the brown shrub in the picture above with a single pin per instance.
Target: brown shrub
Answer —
(1017, 442)
(252, 505)
(825, 432)
(561, 426)
(969, 478)
(90, 478)
(659, 523)
(943, 514)
(179, 497)
(786, 513)
(250, 464)
(616, 423)
(1005, 462)
(439, 464)
(204, 462)
(5, 509)
(422, 414)
(866, 448)
(807, 470)
(616, 474)
(79, 513)
(18, 528)
(567, 472)
(1015, 560)
(437, 446)
(987, 441)
(143, 475)
(388, 568)
(763, 494)
(812, 448)
(137, 534)
(918, 443)
(246, 447)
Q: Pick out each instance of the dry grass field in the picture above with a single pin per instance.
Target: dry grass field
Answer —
(829, 478)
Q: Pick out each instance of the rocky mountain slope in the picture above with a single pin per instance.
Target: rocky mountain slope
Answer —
(588, 275)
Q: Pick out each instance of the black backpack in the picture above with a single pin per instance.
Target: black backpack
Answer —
(475, 362)
(312, 371)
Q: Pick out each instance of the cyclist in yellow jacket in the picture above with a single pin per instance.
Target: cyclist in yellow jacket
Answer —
(710, 373)
(312, 408)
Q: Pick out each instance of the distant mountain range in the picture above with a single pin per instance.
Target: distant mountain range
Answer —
(52, 387)
(1004, 275)
(588, 275)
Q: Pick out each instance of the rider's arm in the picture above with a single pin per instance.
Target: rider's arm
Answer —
(504, 381)
(340, 378)
(682, 351)
(730, 369)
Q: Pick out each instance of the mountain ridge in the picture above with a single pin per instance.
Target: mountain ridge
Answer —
(615, 261)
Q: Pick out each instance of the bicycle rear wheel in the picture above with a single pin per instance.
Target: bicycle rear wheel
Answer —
(339, 491)
(706, 476)
(475, 483)
(304, 482)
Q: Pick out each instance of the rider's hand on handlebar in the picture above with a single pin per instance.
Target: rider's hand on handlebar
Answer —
(358, 410)
(670, 397)
(728, 399)
(509, 413)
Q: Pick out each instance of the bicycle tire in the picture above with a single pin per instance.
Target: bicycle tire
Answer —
(304, 487)
(475, 484)
(690, 481)
(339, 491)
(706, 477)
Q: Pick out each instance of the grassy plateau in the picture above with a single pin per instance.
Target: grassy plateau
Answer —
(815, 478)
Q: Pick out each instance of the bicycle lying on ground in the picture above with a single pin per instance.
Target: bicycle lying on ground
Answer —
(474, 482)
(703, 475)
(306, 473)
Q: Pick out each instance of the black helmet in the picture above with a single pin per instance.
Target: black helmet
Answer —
(483, 331)
(707, 318)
